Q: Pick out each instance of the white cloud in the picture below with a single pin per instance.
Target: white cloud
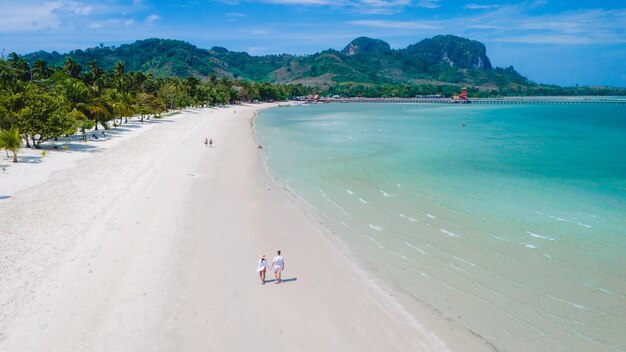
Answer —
(25, 17)
(236, 14)
(428, 4)
(76, 8)
(361, 6)
(396, 24)
(260, 32)
(152, 18)
(61, 15)
(480, 7)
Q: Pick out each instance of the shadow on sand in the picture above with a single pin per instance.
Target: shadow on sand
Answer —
(283, 281)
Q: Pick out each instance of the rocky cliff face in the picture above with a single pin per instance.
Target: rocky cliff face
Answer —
(451, 50)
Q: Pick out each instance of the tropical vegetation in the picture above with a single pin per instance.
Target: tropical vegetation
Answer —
(41, 102)
(366, 66)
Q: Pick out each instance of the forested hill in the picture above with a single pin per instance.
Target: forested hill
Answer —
(443, 58)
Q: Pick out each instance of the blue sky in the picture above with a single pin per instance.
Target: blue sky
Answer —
(563, 42)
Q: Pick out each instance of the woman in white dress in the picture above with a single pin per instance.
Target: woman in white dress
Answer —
(261, 268)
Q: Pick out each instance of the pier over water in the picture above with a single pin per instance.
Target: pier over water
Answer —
(542, 101)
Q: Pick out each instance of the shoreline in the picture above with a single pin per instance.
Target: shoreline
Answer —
(461, 338)
(471, 289)
(75, 282)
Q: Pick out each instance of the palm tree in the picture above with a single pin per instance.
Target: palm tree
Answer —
(72, 67)
(98, 111)
(119, 68)
(95, 71)
(11, 140)
(20, 65)
(121, 103)
(41, 69)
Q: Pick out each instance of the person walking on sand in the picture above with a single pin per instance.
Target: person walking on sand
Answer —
(211, 142)
(278, 265)
(206, 142)
(261, 268)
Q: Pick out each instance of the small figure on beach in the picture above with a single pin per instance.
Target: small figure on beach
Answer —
(278, 265)
(94, 136)
(259, 147)
(210, 142)
(261, 268)
(206, 142)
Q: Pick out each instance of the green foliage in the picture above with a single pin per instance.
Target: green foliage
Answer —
(443, 59)
(11, 141)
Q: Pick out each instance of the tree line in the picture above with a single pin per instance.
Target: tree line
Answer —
(42, 102)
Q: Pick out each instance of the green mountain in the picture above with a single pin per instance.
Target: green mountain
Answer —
(441, 59)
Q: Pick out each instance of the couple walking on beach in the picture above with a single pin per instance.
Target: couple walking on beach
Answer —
(278, 265)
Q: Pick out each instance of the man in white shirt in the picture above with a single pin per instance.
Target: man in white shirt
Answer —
(278, 265)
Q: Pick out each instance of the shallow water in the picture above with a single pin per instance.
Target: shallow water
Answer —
(508, 220)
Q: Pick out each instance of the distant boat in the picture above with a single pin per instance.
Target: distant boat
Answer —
(284, 105)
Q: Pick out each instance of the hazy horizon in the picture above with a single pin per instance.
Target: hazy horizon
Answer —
(578, 42)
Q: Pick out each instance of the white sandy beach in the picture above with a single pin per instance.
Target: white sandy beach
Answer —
(149, 242)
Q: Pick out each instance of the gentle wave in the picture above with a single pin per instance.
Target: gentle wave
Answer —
(333, 202)
(540, 236)
(362, 200)
(558, 218)
(410, 245)
(408, 218)
(464, 261)
(449, 233)
(531, 246)
(350, 192)
(376, 227)
(499, 238)
(584, 225)
(431, 216)
(385, 193)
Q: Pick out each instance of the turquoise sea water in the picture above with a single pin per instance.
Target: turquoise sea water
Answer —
(509, 221)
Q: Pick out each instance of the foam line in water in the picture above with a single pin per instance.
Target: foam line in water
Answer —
(558, 218)
(375, 241)
(449, 233)
(540, 236)
(499, 238)
(385, 193)
(464, 261)
(408, 218)
(584, 225)
(595, 341)
(349, 191)
(362, 200)
(410, 245)
(531, 246)
(602, 289)
(376, 227)
(431, 216)
(575, 305)
(333, 202)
